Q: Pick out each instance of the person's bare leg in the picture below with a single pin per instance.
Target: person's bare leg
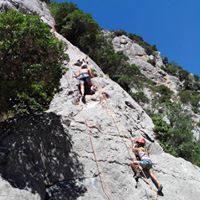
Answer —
(89, 83)
(82, 89)
(135, 167)
(155, 180)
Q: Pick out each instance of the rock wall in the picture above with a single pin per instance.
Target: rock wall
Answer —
(29, 6)
(101, 131)
(83, 151)
(138, 56)
(36, 154)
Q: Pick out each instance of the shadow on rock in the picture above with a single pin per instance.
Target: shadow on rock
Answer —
(36, 152)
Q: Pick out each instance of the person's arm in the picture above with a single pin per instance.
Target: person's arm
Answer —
(90, 72)
(77, 74)
(135, 149)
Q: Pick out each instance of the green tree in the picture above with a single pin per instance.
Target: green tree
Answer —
(30, 64)
(165, 93)
(60, 11)
(177, 136)
(85, 33)
(79, 28)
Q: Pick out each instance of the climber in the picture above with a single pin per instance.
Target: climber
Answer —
(143, 163)
(84, 75)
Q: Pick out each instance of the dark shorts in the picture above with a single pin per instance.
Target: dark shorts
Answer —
(84, 80)
(146, 164)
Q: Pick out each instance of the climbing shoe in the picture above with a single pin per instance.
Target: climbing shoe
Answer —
(83, 99)
(137, 176)
(160, 189)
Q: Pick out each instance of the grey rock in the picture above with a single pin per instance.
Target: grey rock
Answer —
(36, 7)
(101, 132)
(36, 155)
(138, 56)
(7, 192)
(130, 48)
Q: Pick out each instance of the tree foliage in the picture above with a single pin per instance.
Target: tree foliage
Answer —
(85, 33)
(176, 137)
(30, 63)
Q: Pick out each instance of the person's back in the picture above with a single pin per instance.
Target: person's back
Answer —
(84, 75)
(142, 153)
(84, 72)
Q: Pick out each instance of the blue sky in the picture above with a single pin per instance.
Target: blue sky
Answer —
(172, 25)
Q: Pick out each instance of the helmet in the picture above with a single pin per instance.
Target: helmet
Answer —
(140, 141)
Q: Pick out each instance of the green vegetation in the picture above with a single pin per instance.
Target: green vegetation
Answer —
(85, 33)
(80, 29)
(164, 93)
(189, 93)
(152, 61)
(139, 97)
(190, 97)
(30, 64)
(175, 70)
(177, 137)
(47, 1)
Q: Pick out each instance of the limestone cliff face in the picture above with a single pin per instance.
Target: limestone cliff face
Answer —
(154, 72)
(101, 132)
(30, 7)
(138, 56)
(83, 151)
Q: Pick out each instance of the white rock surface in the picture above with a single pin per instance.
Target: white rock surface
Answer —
(29, 6)
(101, 129)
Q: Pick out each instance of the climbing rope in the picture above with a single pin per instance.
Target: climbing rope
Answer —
(119, 132)
(101, 176)
(148, 183)
(108, 110)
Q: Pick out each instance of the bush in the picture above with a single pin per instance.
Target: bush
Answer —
(188, 96)
(78, 27)
(119, 33)
(150, 49)
(31, 63)
(195, 102)
(165, 93)
(172, 68)
(185, 96)
(85, 33)
(152, 61)
(175, 70)
(177, 137)
(47, 1)
(139, 97)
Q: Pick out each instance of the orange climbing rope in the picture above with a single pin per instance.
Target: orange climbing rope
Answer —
(114, 121)
(145, 179)
(101, 176)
